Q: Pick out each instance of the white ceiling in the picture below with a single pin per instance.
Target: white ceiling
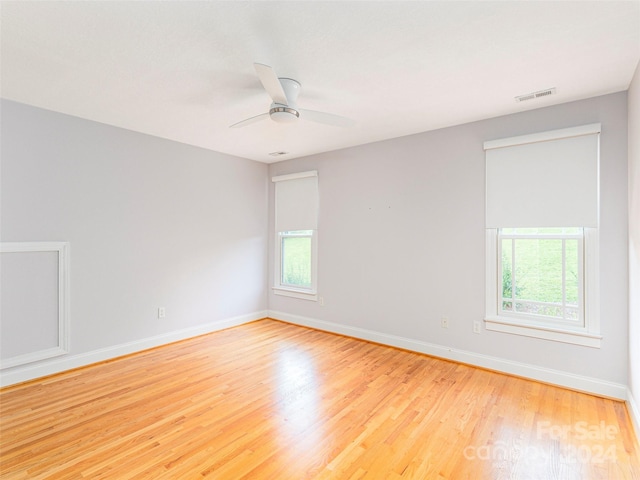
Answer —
(184, 70)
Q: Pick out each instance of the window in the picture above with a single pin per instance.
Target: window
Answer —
(296, 258)
(542, 235)
(296, 211)
(540, 273)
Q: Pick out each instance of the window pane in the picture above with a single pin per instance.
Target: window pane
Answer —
(507, 283)
(296, 261)
(538, 309)
(539, 270)
(572, 313)
(572, 271)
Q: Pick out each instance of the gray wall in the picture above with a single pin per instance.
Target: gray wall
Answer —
(150, 223)
(402, 239)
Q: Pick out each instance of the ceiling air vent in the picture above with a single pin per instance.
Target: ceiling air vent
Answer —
(534, 95)
(277, 154)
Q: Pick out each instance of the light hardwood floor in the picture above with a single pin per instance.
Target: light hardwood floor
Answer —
(269, 400)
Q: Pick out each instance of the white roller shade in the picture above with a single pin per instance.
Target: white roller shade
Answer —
(544, 180)
(296, 202)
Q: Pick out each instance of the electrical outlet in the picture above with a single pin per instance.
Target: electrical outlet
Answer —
(444, 322)
(162, 312)
(477, 327)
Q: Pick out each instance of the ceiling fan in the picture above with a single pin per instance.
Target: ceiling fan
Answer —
(284, 109)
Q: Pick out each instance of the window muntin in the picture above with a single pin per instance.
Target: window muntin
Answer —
(541, 275)
(296, 252)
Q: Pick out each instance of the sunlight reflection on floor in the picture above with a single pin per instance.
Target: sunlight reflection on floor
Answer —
(298, 401)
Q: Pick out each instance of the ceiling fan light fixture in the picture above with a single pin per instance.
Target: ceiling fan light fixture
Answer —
(283, 114)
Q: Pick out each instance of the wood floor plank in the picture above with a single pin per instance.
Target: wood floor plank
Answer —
(269, 400)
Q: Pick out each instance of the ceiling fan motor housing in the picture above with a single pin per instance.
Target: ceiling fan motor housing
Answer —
(286, 113)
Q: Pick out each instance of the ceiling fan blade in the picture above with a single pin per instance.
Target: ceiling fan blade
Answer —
(326, 118)
(271, 83)
(250, 120)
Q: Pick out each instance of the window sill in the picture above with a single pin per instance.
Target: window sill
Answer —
(507, 325)
(296, 293)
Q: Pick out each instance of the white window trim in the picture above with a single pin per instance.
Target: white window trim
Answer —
(310, 293)
(294, 176)
(590, 129)
(295, 293)
(587, 335)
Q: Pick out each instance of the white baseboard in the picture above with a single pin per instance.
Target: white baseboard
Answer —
(576, 382)
(634, 412)
(590, 385)
(27, 372)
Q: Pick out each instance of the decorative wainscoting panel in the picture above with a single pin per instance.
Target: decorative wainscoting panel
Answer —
(34, 302)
